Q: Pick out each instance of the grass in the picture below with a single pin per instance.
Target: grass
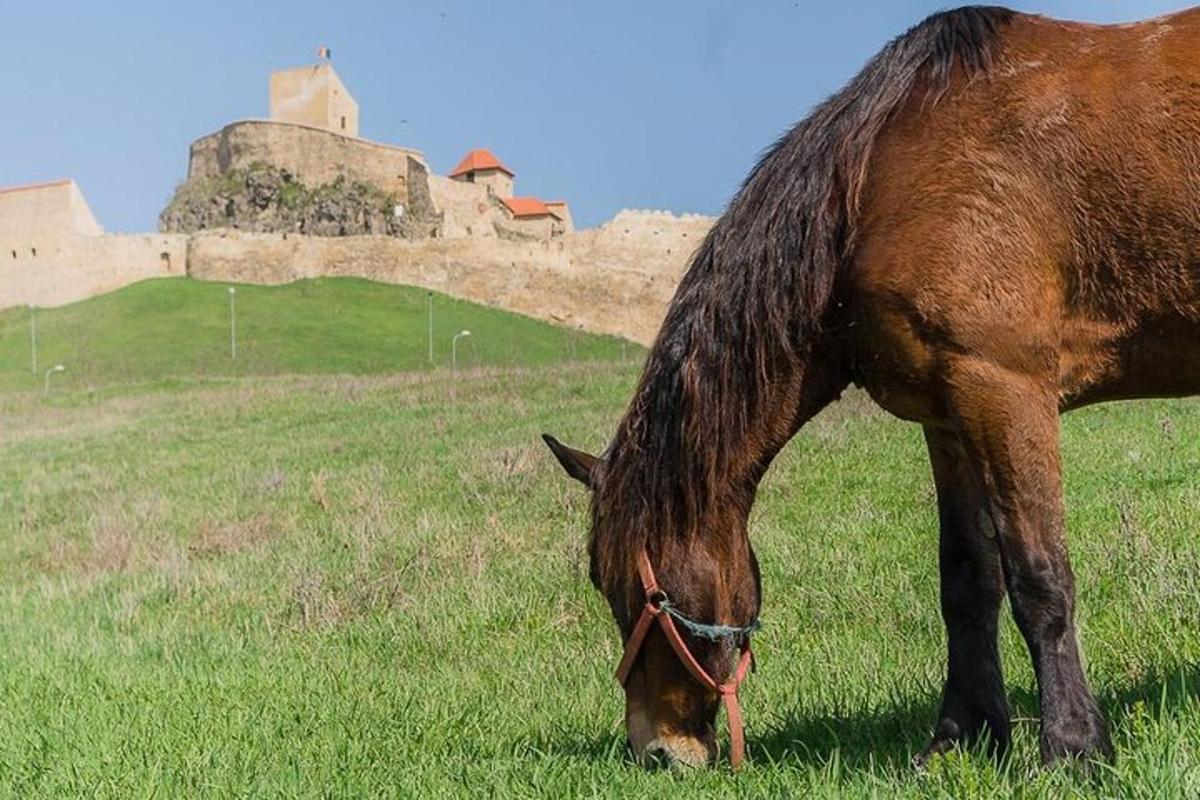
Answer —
(179, 328)
(352, 586)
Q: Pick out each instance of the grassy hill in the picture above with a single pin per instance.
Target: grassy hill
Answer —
(180, 328)
(377, 587)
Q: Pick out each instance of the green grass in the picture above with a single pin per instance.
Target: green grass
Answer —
(179, 328)
(357, 586)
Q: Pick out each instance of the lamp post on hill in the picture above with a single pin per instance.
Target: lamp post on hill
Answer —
(232, 326)
(430, 329)
(454, 349)
(49, 372)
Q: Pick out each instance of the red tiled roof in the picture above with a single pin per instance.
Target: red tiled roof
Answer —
(528, 207)
(479, 159)
(28, 187)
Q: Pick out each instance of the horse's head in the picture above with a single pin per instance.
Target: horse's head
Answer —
(702, 591)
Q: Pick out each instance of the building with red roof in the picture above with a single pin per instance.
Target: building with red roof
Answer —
(528, 208)
(532, 215)
(482, 166)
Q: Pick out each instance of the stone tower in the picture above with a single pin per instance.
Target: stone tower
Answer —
(314, 95)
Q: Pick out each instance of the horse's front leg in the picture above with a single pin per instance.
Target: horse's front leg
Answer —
(1010, 425)
(972, 584)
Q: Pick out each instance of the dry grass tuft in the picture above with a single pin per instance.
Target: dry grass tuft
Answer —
(221, 539)
(318, 491)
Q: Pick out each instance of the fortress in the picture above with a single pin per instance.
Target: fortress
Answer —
(302, 195)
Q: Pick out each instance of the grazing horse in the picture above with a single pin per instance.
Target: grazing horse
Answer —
(996, 221)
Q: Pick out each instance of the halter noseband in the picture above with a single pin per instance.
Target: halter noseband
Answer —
(658, 607)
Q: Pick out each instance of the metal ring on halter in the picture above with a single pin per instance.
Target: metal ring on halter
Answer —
(659, 602)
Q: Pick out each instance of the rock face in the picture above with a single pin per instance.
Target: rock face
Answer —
(267, 199)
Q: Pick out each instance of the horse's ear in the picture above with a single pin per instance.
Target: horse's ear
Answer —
(578, 464)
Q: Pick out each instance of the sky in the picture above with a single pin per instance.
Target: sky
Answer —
(610, 105)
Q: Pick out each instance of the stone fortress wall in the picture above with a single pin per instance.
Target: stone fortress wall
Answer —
(615, 279)
(52, 250)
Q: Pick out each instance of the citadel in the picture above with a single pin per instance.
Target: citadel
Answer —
(300, 194)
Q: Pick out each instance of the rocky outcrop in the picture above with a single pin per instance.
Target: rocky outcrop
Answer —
(268, 199)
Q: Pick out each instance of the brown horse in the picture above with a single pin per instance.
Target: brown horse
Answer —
(997, 221)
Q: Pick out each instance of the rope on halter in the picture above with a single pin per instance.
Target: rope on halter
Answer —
(712, 633)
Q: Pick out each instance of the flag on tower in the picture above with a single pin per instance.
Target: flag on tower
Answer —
(323, 52)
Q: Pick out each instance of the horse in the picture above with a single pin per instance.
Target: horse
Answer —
(995, 222)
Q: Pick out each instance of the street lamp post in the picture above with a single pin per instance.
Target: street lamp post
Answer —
(32, 340)
(232, 326)
(454, 349)
(49, 372)
(431, 328)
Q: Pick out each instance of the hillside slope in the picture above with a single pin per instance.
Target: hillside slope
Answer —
(169, 328)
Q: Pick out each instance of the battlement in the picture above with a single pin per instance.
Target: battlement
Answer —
(626, 215)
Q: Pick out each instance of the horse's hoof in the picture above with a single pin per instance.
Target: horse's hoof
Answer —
(1084, 740)
(934, 748)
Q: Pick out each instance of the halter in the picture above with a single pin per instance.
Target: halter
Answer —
(658, 607)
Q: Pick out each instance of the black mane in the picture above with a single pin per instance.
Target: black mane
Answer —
(753, 300)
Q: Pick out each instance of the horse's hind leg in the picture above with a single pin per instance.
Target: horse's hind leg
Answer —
(972, 588)
(1010, 425)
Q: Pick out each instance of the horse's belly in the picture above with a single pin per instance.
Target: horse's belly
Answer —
(1159, 359)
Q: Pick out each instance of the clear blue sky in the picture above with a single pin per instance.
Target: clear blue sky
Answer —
(641, 104)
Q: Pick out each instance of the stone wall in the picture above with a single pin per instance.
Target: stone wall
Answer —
(543, 227)
(52, 271)
(499, 181)
(467, 209)
(313, 155)
(614, 279)
(53, 251)
(657, 244)
(563, 210)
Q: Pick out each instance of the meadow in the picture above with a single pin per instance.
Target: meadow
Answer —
(345, 574)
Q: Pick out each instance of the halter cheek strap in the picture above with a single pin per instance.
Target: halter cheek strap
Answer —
(658, 609)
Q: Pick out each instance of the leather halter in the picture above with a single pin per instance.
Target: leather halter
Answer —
(654, 610)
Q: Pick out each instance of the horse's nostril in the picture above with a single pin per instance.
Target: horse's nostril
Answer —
(658, 756)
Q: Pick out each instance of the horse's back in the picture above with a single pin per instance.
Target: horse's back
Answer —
(1043, 218)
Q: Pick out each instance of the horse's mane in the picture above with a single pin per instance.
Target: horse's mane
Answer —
(758, 287)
